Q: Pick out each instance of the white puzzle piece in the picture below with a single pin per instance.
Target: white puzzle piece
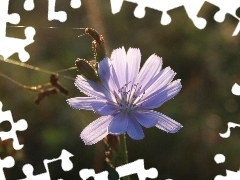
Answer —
(20, 125)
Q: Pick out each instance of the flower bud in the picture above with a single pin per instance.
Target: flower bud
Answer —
(87, 69)
(97, 44)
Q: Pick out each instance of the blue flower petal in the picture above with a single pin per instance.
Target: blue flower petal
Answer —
(119, 124)
(106, 74)
(91, 88)
(105, 108)
(83, 102)
(119, 62)
(116, 84)
(96, 130)
(160, 82)
(161, 96)
(133, 64)
(167, 124)
(146, 118)
(149, 70)
(134, 130)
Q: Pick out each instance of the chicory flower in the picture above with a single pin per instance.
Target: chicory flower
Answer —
(127, 96)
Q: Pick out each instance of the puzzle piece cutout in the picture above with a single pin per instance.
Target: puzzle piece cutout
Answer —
(227, 7)
(236, 89)
(66, 164)
(7, 162)
(220, 158)
(192, 8)
(29, 5)
(75, 4)
(28, 171)
(230, 175)
(164, 6)
(227, 133)
(87, 173)
(60, 15)
(20, 125)
(137, 167)
(9, 45)
(52, 14)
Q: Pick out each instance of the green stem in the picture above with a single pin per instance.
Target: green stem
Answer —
(123, 150)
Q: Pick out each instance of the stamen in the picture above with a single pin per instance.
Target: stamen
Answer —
(127, 98)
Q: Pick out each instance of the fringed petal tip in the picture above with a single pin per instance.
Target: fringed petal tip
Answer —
(177, 81)
(158, 57)
(87, 143)
(90, 142)
(179, 84)
(134, 49)
(96, 130)
(176, 129)
(86, 103)
(77, 78)
(119, 50)
(172, 130)
(70, 104)
(76, 83)
(167, 124)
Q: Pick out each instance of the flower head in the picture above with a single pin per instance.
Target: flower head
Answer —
(127, 96)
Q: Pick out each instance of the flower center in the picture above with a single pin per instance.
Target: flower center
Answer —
(128, 97)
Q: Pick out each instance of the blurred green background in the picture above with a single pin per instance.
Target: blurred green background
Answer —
(207, 62)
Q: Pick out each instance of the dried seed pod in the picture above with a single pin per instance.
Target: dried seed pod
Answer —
(54, 81)
(44, 93)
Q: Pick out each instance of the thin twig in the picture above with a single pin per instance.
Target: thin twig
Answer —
(31, 88)
(28, 66)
